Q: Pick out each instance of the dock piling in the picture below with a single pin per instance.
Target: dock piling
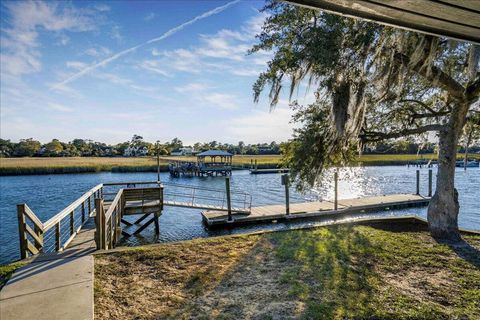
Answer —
(418, 182)
(335, 177)
(430, 182)
(229, 202)
(286, 183)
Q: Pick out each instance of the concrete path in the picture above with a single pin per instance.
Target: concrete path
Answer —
(54, 285)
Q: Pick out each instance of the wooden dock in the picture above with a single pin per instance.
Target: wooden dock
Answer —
(306, 210)
(272, 170)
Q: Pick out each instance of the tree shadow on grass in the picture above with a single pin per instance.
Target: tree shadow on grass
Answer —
(464, 250)
(319, 273)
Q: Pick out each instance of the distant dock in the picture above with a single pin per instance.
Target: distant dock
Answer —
(265, 171)
(316, 209)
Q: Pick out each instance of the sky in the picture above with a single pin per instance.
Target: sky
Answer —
(160, 69)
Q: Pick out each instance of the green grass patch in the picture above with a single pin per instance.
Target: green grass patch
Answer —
(378, 271)
(7, 270)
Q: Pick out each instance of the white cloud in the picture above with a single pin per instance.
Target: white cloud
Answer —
(149, 16)
(59, 107)
(20, 36)
(115, 33)
(77, 65)
(153, 66)
(98, 51)
(220, 100)
(224, 51)
(63, 39)
(102, 7)
(192, 87)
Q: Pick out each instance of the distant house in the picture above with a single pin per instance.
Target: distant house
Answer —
(135, 151)
(184, 151)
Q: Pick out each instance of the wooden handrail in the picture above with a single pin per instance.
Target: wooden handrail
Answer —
(29, 213)
(114, 204)
(74, 205)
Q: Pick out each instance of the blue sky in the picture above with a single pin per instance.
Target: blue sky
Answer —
(85, 69)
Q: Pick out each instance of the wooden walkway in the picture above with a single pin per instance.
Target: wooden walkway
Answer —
(314, 209)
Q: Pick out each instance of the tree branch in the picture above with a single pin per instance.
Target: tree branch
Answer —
(435, 75)
(370, 136)
(473, 90)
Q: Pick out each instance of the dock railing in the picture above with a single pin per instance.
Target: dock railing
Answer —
(57, 232)
(108, 223)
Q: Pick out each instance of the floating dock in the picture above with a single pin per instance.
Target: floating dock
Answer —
(315, 209)
(274, 170)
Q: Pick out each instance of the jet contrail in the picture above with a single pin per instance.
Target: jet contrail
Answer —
(124, 52)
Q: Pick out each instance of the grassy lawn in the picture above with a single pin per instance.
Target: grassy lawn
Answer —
(7, 270)
(394, 271)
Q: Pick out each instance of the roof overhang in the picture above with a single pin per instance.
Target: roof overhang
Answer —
(457, 19)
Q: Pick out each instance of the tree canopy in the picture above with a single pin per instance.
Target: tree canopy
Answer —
(371, 83)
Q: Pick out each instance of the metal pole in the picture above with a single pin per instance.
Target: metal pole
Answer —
(335, 177)
(286, 182)
(430, 182)
(229, 204)
(418, 182)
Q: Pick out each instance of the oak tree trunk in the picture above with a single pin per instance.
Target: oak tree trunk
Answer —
(443, 209)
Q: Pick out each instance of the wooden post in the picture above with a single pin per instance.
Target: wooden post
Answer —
(335, 178)
(418, 182)
(39, 233)
(256, 164)
(430, 182)
(100, 224)
(251, 164)
(58, 240)
(229, 204)
(89, 205)
(83, 212)
(158, 162)
(286, 183)
(21, 230)
(72, 223)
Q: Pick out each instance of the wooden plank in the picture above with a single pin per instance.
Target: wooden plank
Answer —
(33, 217)
(33, 234)
(391, 16)
(31, 248)
(435, 10)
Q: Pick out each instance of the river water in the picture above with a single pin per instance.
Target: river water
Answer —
(48, 194)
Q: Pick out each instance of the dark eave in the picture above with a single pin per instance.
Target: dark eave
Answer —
(457, 19)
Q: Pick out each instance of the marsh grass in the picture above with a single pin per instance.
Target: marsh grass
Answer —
(24, 166)
(394, 271)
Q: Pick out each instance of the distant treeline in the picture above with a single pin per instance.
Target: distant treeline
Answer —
(137, 146)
